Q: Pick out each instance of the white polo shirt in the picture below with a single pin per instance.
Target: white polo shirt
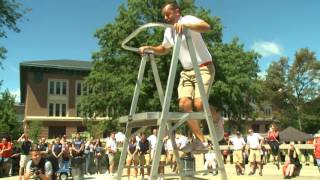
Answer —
(238, 142)
(254, 140)
(153, 141)
(202, 52)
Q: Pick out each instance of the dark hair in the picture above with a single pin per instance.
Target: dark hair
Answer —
(35, 148)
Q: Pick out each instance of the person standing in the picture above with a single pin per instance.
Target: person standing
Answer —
(153, 142)
(77, 162)
(111, 149)
(132, 156)
(316, 143)
(238, 145)
(25, 149)
(254, 141)
(188, 91)
(5, 157)
(56, 152)
(144, 155)
(273, 141)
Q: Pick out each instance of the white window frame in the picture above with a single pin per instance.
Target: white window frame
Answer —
(60, 108)
(61, 81)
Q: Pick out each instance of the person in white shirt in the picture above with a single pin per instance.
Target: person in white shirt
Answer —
(238, 144)
(210, 160)
(111, 149)
(152, 141)
(254, 141)
(188, 91)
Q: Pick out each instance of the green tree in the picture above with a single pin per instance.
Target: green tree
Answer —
(8, 119)
(291, 88)
(114, 69)
(34, 131)
(10, 13)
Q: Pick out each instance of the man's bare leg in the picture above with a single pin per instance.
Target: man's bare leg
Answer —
(216, 116)
(185, 105)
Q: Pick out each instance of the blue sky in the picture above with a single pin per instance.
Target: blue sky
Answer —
(63, 29)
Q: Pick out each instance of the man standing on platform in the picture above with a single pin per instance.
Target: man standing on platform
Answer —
(188, 91)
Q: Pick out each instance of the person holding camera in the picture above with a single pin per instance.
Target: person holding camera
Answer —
(38, 168)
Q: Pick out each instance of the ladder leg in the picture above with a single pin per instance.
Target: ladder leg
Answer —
(175, 149)
(157, 153)
(206, 107)
(124, 153)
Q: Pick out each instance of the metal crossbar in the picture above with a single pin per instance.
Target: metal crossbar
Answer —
(165, 118)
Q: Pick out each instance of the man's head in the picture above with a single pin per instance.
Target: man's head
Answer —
(113, 135)
(171, 13)
(78, 136)
(43, 140)
(238, 133)
(250, 131)
(155, 131)
(35, 155)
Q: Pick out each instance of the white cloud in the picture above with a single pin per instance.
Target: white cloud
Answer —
(16, 93)
(267, 48)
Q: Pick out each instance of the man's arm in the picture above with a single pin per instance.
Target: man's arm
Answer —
(200, 27)
(160, 49)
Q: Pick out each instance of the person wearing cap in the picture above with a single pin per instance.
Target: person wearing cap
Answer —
(188, 91)
(316, 143)
(238, 145)
(254, 142)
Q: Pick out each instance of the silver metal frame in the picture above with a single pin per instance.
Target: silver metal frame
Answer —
(165, 118)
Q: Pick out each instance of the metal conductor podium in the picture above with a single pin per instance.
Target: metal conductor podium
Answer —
(165, 120)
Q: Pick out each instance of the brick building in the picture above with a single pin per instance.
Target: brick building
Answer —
(50, 91)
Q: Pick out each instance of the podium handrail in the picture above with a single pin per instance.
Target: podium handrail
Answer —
(137, 31)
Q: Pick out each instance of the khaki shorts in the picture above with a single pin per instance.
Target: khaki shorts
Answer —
(254, 155)
(144, 159)
(24, 160)
(134, 158)
(237, 156)
(188, 86)
(111, 159)
(163, 158)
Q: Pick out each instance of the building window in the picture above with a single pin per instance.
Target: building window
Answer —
(267, 111)
(255, 128)
(58, 109)
(51, 109)
(56, 131)
(82, 89)
(58, 87)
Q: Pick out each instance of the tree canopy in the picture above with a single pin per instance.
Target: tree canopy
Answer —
(10, 13)
(8, 120)
(292, 89)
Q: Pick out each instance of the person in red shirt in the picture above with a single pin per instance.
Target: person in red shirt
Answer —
(273, 141)
(316, 143)
(5, 154)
